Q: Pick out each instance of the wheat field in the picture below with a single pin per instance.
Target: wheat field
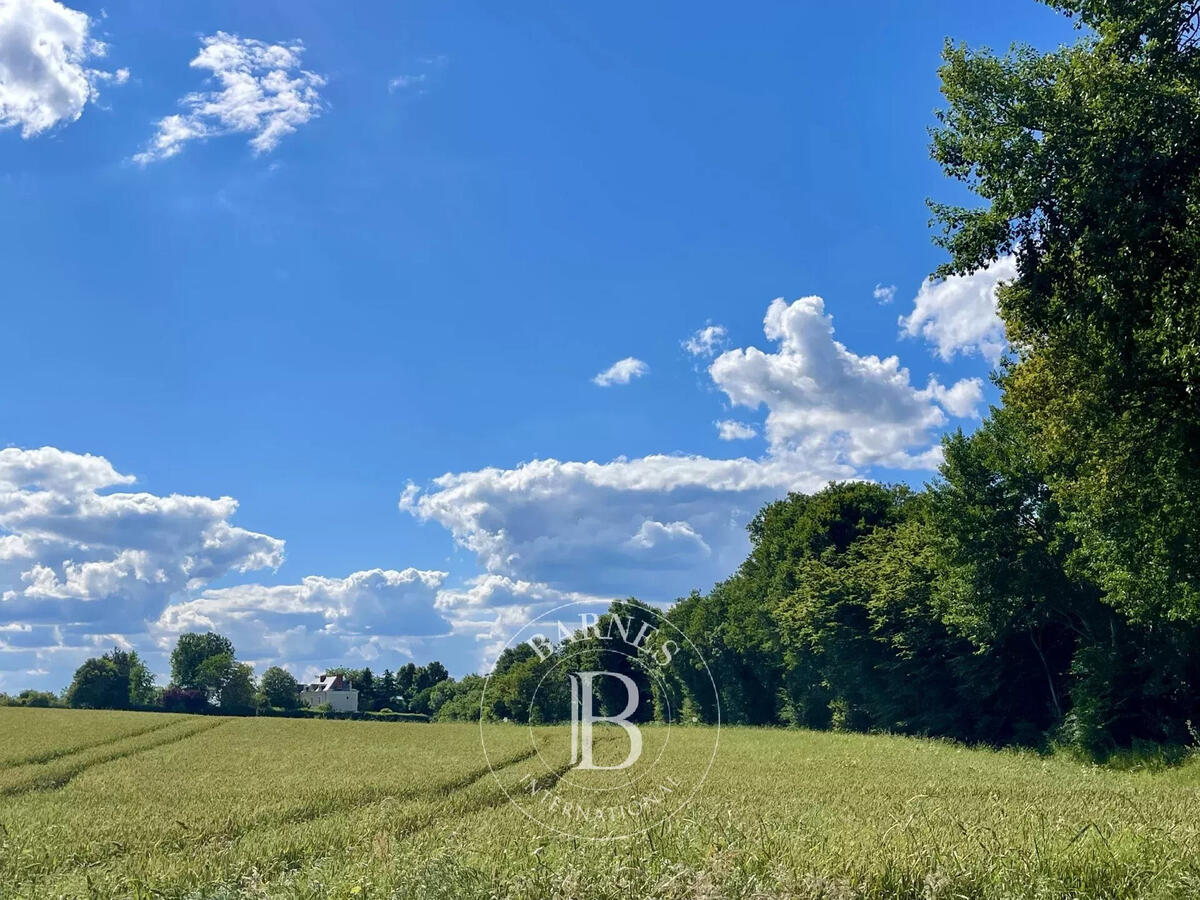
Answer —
(110, 804)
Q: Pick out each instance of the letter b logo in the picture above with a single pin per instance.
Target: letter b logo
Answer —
(582, 719)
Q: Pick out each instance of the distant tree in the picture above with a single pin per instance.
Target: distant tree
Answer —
(97, 685)
(138, 679)
(116, 680)
(279, 688)
(512, 656)
(237, 691)
(442, 693)
(419, 702)
(386, 690)
(212, 674)
(190, 666)
(429, 699)
(406, 680)
(41, 699)
(430, 675)
(460, 700)
(366, 690)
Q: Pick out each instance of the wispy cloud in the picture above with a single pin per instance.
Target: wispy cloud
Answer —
(732, 430)
(707, 341)
(418, 80)
(262, 92)
(622, 371)
(403, 82)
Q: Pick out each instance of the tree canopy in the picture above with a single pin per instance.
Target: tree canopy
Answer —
(116, 680)
(1087, 163)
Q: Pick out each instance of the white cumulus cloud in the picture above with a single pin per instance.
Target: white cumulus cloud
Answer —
(660, 525)
(655, 527)
(824, 400)
(961, 400)
(108, 562)
(958, 314)
(261, 90)
(489, 608)
(86, 564)
(51, 469)
(622, 371)
(318, 619)
(885, 293)
(45, 76)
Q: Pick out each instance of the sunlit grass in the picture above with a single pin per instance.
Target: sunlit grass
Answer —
(210, 807)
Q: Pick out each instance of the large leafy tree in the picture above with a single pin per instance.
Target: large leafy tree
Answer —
(237, 691)
(97, 685)
(199, 660)
(280, 688)
(1049, 652)
(769, 632)
(137, 678)
(1087, 160)
(406, 680)
(429, 675)
(863, 643)
(1004, 585)
(117, 680)
(206, 664)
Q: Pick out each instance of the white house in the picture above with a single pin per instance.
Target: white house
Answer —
(332, 689)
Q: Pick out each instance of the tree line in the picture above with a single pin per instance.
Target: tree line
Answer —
(206, 676)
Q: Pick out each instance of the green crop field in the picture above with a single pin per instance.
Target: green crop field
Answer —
(116, 804)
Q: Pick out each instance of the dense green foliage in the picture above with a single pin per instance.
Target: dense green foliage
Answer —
(201, 661)
(279, 688)
(947, 612)
(1087, 161)
(116, 680)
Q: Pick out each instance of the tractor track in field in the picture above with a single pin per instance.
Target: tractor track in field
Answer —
(414, 824)
(545, 783)
(418, 823)
(52, 781)
(37, 759)
(231, 835)
(444, 790)
(405, 827)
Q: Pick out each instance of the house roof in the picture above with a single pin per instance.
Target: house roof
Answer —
(329, 682)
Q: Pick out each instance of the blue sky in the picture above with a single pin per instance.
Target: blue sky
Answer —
(416, 262)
